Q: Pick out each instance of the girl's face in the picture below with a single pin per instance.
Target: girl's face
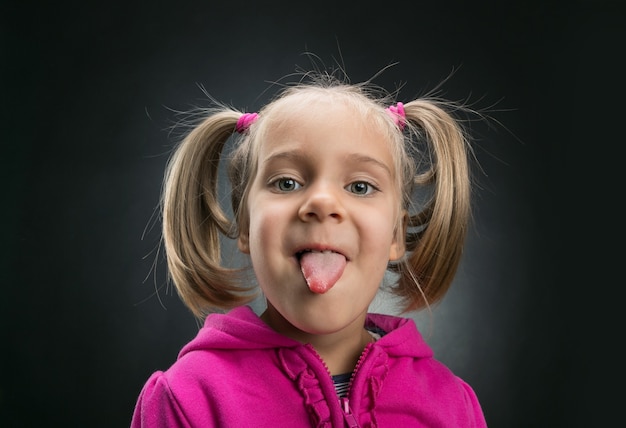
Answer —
(325, 182)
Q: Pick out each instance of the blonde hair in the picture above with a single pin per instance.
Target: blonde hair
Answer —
(431, 156)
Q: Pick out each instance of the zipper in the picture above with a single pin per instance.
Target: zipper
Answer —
(359, 363)
(347, 414)
(345, 402)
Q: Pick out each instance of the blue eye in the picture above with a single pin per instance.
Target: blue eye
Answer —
(360, 188)
(287, 184)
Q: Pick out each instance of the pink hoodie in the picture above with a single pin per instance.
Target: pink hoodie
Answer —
(238, 372)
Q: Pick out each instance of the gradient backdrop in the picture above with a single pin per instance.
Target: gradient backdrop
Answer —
(90, 94)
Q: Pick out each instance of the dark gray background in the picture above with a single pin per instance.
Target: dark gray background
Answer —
(90, 93)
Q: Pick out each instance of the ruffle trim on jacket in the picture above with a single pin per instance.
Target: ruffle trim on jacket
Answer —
(308, 385)
(376, 372)
(369, 378)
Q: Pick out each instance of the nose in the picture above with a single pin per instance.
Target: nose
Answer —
(322, 202)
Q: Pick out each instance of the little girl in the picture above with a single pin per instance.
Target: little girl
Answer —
(324, 180)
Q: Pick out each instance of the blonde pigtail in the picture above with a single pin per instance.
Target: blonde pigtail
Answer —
(193, 219)
(435, 235)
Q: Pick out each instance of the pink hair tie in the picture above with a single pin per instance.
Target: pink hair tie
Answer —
(244, 122)
(397, 114)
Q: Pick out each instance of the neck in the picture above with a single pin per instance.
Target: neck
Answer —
(339, 350)
(341, 356)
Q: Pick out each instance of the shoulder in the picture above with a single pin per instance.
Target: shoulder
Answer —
(414, 375)
(158, 405)
(428, 390)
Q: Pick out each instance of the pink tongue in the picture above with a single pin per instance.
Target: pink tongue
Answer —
(322, 270)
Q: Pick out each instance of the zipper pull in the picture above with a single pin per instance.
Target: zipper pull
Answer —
(348, 416)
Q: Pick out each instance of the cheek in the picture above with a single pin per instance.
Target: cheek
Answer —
(265, 223)
(384, 225)
(383, 238)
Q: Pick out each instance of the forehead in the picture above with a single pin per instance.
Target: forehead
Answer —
(324, 110)
(315, 100)
(354, 125)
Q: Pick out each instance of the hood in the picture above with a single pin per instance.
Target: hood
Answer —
(242, 329)
(402, 338)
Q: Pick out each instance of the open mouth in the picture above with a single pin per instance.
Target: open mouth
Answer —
(301, 253)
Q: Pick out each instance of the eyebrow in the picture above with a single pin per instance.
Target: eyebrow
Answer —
(358, 158)
(354, 157)
(289, 155)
